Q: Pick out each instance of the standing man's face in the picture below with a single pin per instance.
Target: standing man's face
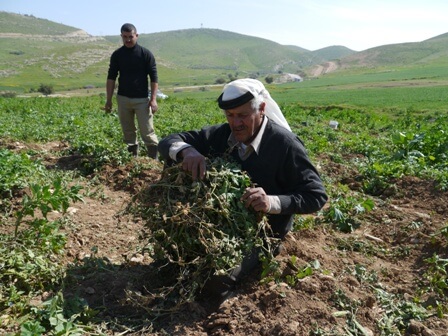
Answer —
(129, 38)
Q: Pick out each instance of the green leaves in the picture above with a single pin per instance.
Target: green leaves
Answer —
(201, 227)
(27, 259)
(344, 211)
(18, 170)
(47, 198)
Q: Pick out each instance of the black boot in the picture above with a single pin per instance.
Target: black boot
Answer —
(152, 151)
(250, 261)
(133, 149)
(218, 289)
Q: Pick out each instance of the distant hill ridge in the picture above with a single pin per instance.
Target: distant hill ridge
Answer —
(31, 25)
(427, 51)
(189, 56)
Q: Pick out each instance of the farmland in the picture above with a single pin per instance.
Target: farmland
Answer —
(373, 262)
(77, 254)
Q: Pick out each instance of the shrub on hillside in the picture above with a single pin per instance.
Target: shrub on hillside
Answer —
(45, 89)
(269, 79)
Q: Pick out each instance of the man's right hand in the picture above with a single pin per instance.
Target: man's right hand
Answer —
(194, 162)
(108, 107)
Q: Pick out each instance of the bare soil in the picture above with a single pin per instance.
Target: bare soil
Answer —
(322, 69)
(109, 268)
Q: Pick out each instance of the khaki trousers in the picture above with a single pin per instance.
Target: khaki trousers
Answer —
(128, 109)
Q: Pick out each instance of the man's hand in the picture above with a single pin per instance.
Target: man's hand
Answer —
(153, 106)
(194, 162)
(108, 107)
(257, 199)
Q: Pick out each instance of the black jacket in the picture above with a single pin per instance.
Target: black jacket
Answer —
(134, 66)
(281, 168)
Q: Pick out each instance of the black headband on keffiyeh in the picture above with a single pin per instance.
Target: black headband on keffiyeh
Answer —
(232, 103)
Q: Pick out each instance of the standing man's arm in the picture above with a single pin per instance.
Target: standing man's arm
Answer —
(110, 87)
(153, 98)
(153, 79)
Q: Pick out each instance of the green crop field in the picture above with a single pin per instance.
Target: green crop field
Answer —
(391, 107)
(405, 95)
(382, 141)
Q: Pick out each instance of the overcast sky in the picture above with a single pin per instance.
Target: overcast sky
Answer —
(310, 24)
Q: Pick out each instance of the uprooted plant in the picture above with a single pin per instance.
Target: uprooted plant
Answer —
(199, 228)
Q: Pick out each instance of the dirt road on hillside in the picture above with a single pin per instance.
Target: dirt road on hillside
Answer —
(323, 69)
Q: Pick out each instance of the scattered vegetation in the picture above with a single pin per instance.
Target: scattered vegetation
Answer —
(405, 144)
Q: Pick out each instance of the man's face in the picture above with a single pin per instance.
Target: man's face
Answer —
(129, 38)
(245, 121)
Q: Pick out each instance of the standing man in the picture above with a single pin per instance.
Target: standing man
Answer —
(134, 64)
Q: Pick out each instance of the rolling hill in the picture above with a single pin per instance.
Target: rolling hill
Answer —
(428, 51)
(36, 51)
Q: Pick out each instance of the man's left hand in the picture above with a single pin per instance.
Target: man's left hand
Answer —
(257, 199)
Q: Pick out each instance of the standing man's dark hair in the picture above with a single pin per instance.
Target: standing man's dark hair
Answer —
(132, 64)
(128, 28)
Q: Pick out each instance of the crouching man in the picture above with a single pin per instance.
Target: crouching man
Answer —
(258, 137)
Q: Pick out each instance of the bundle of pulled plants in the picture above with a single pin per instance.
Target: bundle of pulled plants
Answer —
(198, 229)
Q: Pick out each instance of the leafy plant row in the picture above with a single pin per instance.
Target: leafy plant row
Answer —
(376, 146)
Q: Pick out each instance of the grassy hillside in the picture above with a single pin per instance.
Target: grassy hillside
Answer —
(28, 24)
(46, 52)
(36, 51)
(332, 53)
(200, 56)
(224, 50)
(27, 62)
(415, 53)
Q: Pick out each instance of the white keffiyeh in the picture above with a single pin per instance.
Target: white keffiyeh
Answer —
(237, 91)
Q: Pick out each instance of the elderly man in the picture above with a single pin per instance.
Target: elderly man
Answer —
(258, 137)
